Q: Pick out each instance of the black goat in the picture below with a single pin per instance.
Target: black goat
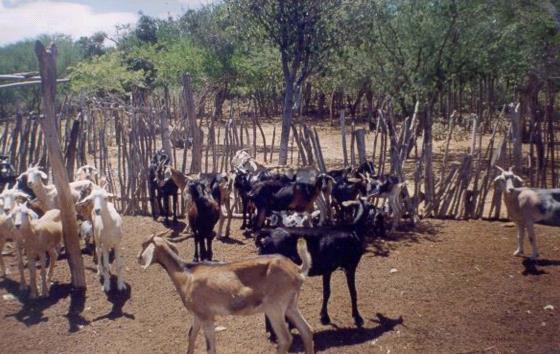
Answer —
(162, 187)
(203, 214)
(153, 189)
(7, 173)
(331, 248)
(279, 194)
(245, 183)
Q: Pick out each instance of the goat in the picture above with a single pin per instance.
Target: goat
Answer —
(86, 172)
(107, 234)
(9, 199)
(203, 215)
(390, 188)
(526, 206)
(153, 189)
(221, 186)
(331, 248)
(47, 193)
(7, 172)
(243, 161)
(296, 196)
(268, 284)
(167, 188)
(41, 237)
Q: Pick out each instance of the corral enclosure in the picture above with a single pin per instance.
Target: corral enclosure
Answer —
(327, 84)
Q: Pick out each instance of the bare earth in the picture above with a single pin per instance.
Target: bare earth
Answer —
(454, 288)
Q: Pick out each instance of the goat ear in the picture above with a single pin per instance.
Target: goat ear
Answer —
(5, 188)
(519, 179)
(43, 175)
(510, 169)
(147, 256)
(354, 180)
(111, 196)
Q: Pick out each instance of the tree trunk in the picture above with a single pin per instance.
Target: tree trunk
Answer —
(47, 67)
(196, 161)
(286, 121)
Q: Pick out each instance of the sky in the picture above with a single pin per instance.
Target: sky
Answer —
(21, 19)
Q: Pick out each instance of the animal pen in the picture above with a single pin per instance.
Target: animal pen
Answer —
(120, 137)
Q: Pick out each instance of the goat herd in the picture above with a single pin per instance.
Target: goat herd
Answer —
(296, 216)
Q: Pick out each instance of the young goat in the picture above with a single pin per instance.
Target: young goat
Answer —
(41, 237)
(107, 234)
(526, 206)
(268, 284)
(331, 248)
(203, 215)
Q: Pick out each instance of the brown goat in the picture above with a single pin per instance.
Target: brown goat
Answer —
(269, 284)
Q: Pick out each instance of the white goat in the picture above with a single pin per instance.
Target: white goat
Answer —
(40, 237)
(107, 234)
(47, 193)
(9, 199)
(526, 206)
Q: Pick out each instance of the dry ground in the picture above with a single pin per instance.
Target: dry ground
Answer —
(456, 289)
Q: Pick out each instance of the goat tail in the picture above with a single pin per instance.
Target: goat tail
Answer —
(303, 253)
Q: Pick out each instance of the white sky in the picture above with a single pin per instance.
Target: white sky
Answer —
(20, 19)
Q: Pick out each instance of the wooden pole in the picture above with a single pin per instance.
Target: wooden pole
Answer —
(196, 160)
(47, 67)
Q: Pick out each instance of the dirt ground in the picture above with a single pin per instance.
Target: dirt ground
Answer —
(449, 287)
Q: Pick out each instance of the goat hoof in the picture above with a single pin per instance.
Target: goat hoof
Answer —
(325, 319)
(359, 321)
(534, 256)
(518, 253)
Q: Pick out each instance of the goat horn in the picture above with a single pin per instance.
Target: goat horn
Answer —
(162, 233)
(348, 203)
(501, 169)
(510, 169)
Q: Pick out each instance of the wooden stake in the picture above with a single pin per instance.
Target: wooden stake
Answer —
(47, 66)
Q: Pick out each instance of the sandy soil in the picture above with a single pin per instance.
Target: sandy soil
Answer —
(449, 287)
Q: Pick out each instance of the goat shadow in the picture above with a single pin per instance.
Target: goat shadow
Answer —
(118, 298)
(406, 233)
(531, 265)
(338, 337)
(31, 312)
(176, 228)
(229, 240)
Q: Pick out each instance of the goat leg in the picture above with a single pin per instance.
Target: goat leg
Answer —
(196, 246)
(351, 280)
(193, 332)
(175, 196)
(53, 255)
(210, 335)
(32, 276)
(278, 322)
(44, 285)
(118, 262)
(532, 239)
(19, 252)
(3, 270)
(325, 319)
(105, 271)
(294, 315)
(520, 237)
(209, 253)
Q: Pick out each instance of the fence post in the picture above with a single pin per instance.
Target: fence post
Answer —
(47, 67)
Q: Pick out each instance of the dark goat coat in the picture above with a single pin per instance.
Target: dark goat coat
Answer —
(331, 248)
(203, 213)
